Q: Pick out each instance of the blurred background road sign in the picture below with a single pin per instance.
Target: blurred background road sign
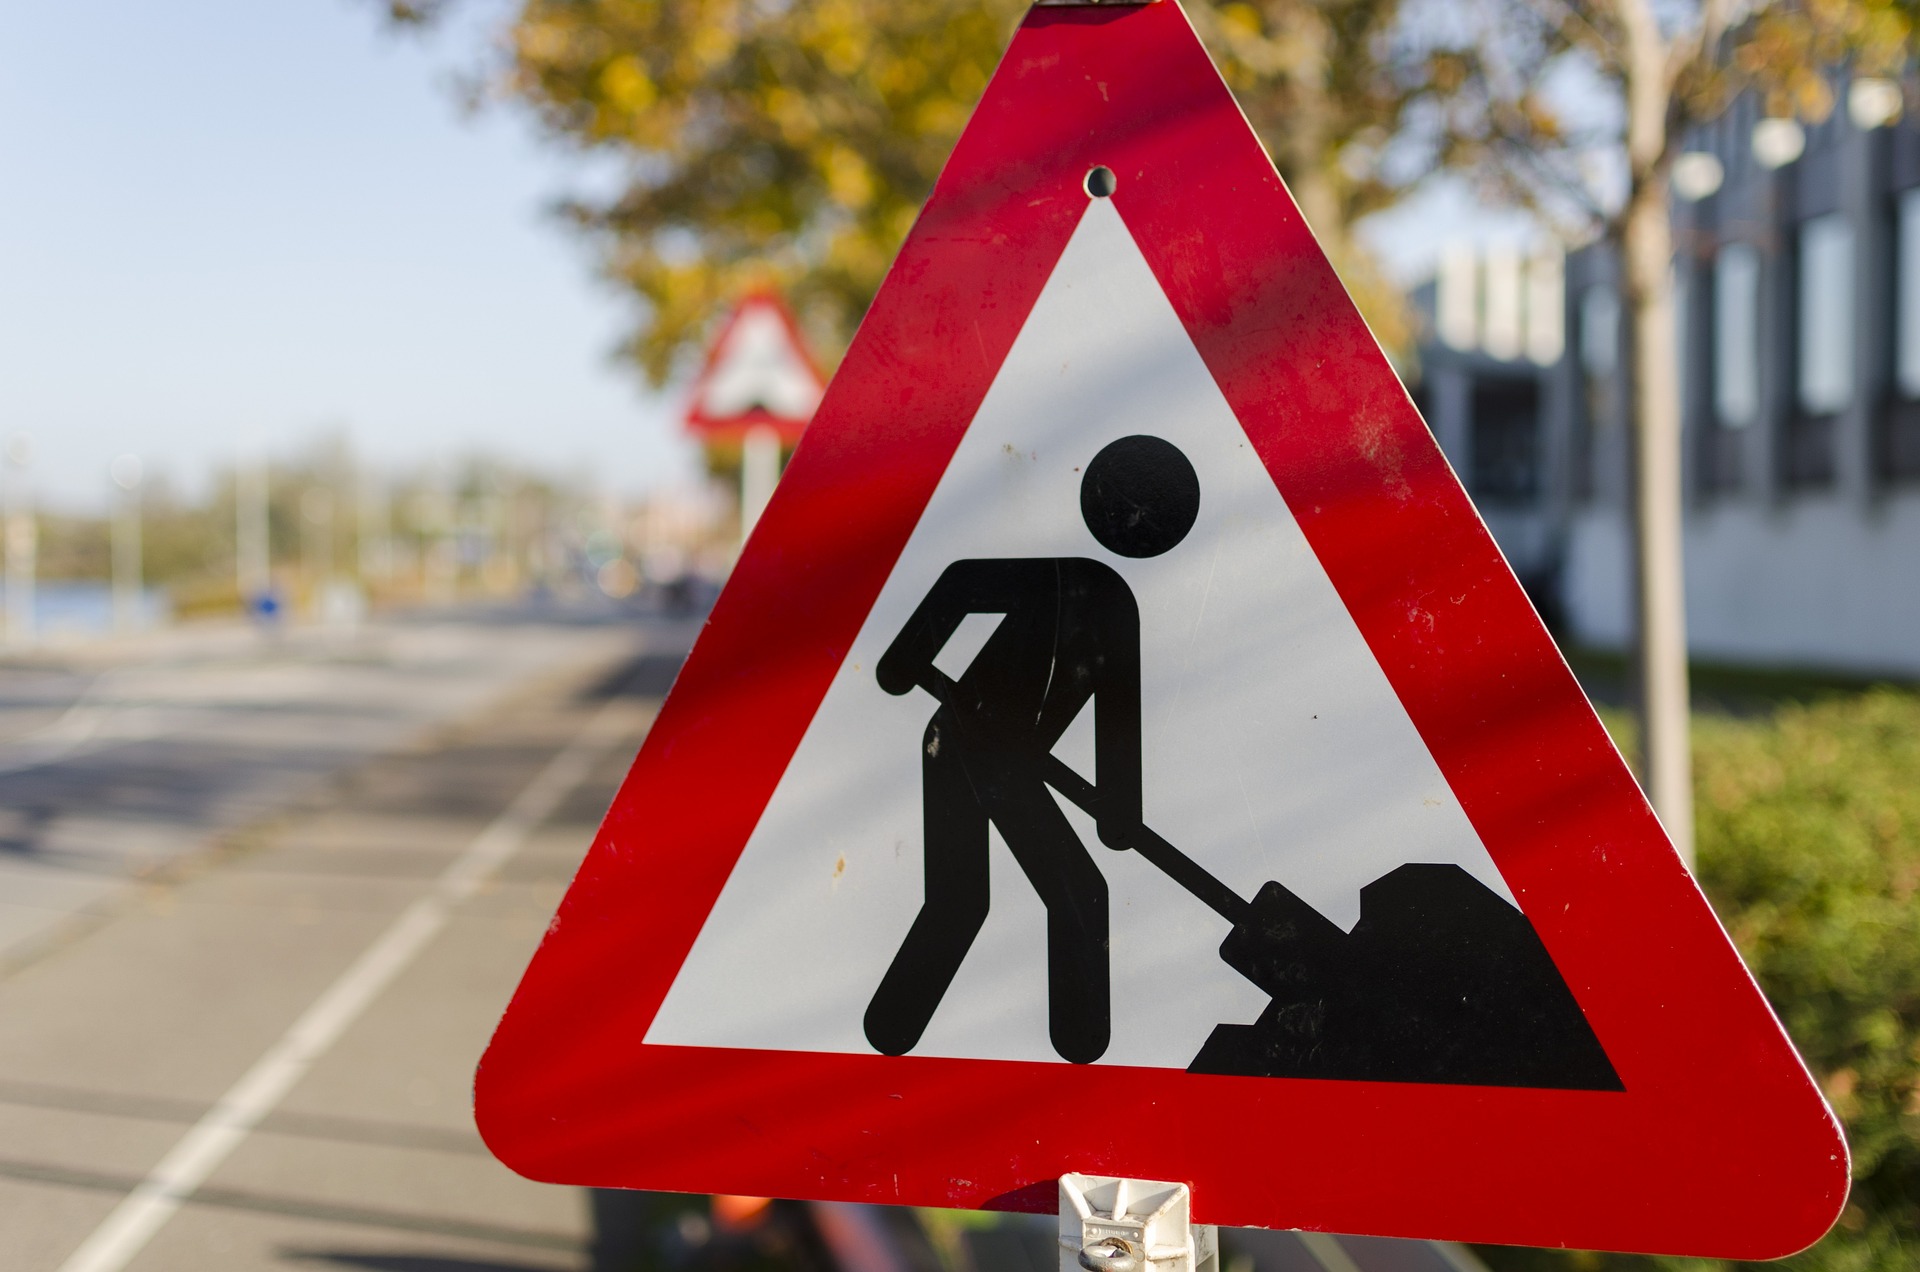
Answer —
(758, 374)
(756, 393)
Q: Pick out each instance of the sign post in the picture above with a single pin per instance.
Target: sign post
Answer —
(1121, 753)
(759, 471)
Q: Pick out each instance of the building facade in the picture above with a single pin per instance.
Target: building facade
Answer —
(1798, 316)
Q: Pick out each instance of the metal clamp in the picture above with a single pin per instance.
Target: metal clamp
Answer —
(1108, 1224)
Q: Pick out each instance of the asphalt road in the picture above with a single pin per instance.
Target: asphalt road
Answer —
(246, 829)
(261, 903)
(119, 761)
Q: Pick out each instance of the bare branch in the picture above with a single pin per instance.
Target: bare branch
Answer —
(1523, 148)
(1700, 52)
(1577, 29)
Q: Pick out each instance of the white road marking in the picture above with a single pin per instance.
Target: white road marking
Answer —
(199, 1153)
(1328, 1252)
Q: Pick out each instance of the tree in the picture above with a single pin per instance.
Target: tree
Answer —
(1509, 89)
(793, 145)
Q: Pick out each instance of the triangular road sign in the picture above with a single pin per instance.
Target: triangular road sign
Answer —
(758, 373)
(1121, 749)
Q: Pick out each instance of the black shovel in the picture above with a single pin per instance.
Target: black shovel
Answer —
(1441, 980)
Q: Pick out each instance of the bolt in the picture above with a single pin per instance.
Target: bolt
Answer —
(1110, 1254)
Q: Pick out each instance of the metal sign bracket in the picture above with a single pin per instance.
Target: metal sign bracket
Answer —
(1132, 1225)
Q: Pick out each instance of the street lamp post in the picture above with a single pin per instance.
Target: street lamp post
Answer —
(316, 509)
(22, 542)
(126, 472)
(253, 566)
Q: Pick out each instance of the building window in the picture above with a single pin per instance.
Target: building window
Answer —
(1823, 361)
(1907, 315)
(1736, 335)
(1716, 449)
(1599, 332)
(1682, 337)
(1900, 444)
(1546, 307)
(1826, 315)
(1506, 441)
(1598, 339)
(1502, 328)
(1456, 299)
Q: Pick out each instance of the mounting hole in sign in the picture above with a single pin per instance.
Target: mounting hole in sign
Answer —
(1101, 182)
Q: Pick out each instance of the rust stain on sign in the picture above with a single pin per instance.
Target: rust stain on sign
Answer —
(1373, 431)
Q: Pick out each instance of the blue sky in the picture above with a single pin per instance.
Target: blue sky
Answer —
(229, 223)
(235, 223)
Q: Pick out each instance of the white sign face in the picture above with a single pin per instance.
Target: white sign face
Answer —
(758, 367)
(1271, 745)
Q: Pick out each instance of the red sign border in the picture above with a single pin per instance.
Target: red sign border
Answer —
(1720, 1145)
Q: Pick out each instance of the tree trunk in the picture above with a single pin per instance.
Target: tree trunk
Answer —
(1666, 760)
(1646, 249)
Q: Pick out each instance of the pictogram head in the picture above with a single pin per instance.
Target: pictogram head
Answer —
(1140, 496)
